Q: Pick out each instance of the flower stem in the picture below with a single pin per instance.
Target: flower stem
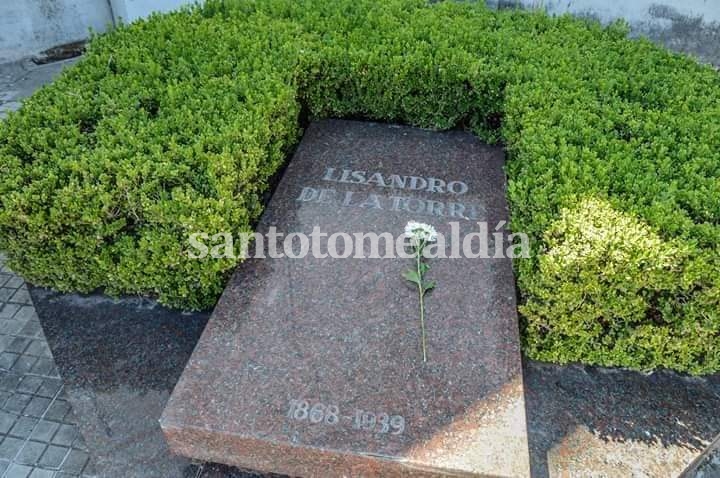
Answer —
(422, 305)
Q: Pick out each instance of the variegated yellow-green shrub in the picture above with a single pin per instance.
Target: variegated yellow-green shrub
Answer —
(176, 124)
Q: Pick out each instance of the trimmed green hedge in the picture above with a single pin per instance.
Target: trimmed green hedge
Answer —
(176, 124)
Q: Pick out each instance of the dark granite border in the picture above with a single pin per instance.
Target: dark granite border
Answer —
(577, 415)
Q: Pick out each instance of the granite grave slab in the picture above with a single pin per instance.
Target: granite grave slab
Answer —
(312, 366)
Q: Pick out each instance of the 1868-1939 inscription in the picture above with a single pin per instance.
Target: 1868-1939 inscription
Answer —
(318, 413)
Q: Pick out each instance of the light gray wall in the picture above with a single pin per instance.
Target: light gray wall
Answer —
(30, 26)
(130, 10)
(688, 26)
(636, 12)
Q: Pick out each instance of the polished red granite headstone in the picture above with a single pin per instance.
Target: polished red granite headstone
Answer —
(313, 367)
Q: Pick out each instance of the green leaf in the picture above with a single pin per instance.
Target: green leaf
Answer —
(412, 276)
(427, 285)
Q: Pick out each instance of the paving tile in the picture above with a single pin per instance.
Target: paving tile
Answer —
(11, 326)
(58, 410)
(5, 340)
(53, 456)
(9, 447)
(32, 329)
(39, 348)
(44, 430)
(37, 407)
(24, 364)
(8, 311)
(18, 471)
(42, 473)
(6, 294)
(4, 278)
(14, 282)
(44, 366)
(75, 462)
(4, 395)
(7, 420)
(17, 403)
(3, 466)
(9, 381)
(23, 427)
(26, 312)
(30, 453)
(21, 296)
(29, 384)
(7, 360)
(18, 345)
(65, 436)
(50, 386)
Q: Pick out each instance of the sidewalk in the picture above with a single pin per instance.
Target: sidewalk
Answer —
(20, 79)
(39, 436)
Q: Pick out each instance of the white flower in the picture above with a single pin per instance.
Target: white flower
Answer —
(420, 232)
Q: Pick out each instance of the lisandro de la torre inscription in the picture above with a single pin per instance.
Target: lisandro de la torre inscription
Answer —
(393, 202)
